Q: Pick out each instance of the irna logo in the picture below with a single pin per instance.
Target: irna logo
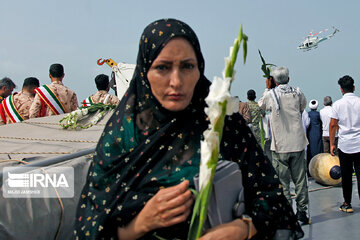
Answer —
(37, 180)
(34, 182)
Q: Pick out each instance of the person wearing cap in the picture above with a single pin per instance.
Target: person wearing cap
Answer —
(345, 117)
(102, 95)
(286, 104)
(15, 107)
(325, 114)
(314, 131)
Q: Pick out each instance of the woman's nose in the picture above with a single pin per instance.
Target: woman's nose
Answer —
(175, 78)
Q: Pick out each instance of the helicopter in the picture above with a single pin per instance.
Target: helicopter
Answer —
(312, 40)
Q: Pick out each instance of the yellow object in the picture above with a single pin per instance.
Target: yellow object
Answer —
(325, 169)
(111, 62)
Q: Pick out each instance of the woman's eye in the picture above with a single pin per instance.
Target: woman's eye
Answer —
(188, 66)
(161, 67)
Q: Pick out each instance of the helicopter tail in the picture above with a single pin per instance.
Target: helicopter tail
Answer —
(335, 31)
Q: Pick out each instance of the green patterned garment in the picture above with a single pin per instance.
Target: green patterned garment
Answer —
(256, 116)
(145, 147)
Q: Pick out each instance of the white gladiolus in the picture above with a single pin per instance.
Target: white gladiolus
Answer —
(220, 103)
(219, 92)
(207, 146)
(76, 112)
(232, 106)
(84, 111)
(72, 120)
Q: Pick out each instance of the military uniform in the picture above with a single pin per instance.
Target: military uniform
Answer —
(256, 114)
(22, 102)
(101, 96)
(66, 97)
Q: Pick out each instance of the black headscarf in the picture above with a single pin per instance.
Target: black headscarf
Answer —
(145, 147)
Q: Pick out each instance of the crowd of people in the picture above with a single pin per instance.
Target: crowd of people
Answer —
(138, 183)
(297, 136)
(35, 101)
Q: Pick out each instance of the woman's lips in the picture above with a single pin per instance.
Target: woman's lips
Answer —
(176, 96)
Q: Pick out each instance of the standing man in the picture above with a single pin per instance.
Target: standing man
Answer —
(286, 105)
(54, 98)
(256, 114)
(15, 108)
(346, 117)
(325, 114)
(6, 87)
(102, 96)
(314, 131)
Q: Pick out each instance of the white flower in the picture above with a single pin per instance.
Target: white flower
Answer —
(76, 112)
(219, 92)
(211, 141)
(232, 106)
(84, 111)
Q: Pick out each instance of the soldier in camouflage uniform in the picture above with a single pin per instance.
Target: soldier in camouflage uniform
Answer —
(256, 114)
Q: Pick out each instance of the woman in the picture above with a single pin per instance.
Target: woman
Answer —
(138, 183)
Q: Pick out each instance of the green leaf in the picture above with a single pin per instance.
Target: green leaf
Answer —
(264, 65)
(245, 47)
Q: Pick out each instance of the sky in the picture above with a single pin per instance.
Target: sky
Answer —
(37, 33)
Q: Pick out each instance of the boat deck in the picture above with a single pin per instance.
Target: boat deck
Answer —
(327, 221)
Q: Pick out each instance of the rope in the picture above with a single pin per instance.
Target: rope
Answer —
(56, 192)
(48, 139)
(36, 152)
(54, 124)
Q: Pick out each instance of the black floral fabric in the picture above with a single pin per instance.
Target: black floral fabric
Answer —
(145, 147)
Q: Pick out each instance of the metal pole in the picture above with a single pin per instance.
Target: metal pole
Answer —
(50, 161)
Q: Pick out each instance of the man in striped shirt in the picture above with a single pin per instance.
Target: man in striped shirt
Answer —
(54, 98)
(15, 108)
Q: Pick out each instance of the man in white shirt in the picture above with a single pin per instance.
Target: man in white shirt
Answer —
(286, 105)
(346, 117)
(325, 114)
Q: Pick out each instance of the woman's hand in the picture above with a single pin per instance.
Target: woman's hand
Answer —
(237, 230)
(168, 207)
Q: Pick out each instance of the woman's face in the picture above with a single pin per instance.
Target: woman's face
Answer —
(174, 74)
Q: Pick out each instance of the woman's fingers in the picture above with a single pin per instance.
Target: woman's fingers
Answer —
(177, 219)
(178, 206)
(168, 207)
(169, 193)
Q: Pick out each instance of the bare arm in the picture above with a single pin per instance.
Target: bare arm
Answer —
(168, 207)
(333, 126)
(237, 230)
